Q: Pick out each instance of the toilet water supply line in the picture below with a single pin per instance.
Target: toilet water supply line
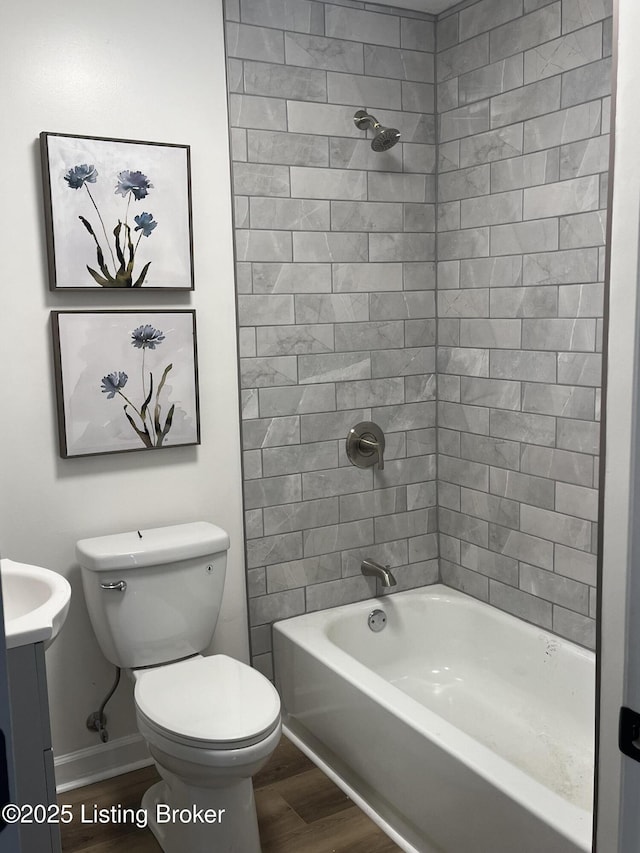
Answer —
(97, 720)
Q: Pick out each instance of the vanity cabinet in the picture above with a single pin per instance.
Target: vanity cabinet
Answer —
(33, 756)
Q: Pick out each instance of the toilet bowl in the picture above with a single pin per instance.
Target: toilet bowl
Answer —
(210, 722)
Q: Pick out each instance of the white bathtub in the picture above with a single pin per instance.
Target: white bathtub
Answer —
(458, 728)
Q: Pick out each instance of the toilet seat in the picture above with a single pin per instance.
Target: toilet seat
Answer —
(212, 702)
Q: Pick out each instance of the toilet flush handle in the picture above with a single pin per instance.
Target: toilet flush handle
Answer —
(120, 586)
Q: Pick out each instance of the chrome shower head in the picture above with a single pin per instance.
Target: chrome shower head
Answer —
(385, 138)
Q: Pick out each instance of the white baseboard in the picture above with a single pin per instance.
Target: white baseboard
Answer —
(103, 761)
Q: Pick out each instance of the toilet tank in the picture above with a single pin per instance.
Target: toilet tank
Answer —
(154, 595)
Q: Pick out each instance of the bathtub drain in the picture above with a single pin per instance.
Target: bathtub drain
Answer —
(377, 620)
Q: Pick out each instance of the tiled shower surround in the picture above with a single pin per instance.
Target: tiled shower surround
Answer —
(503, 108)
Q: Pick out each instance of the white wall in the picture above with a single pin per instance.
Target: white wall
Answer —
(148, 71)
(619, 776)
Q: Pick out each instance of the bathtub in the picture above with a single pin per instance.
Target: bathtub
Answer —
(457, 728)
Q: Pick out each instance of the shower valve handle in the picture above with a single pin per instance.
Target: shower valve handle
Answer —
(365, 445)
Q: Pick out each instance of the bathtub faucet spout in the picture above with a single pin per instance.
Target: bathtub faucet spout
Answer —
(372, 569)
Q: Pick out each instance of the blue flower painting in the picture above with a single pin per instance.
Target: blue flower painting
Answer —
(125, 380)
(118, 213)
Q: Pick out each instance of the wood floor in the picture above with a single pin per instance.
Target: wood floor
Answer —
(299, 811)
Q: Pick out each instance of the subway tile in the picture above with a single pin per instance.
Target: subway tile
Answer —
(402, 306)
(369, 392)
(576, 564)
(464, 183)
(529, 170)
(401, 247)
(373, 503)
(491, 272)
(560, 465)
(291, 278)
(534, 99)
(417, 35)
(366, 216)
(462, 417)
(588, 157)
(559, 334)
(398, 63)
(419, 157)
(392, 554)
(299, 15)
(567, 401)
(491, 80)
(490, 451)
(447, 97)
(290, 213)
(564, 53)
(285, 81)
(469, 243)
(301, 399)
(465, 527)
(405, 362)
(565, 197)
(490, 334)
(524, 302)
(404, 416)
(256, 179)
(294, 340)
(329, 247)
(496, 209)
(580, 369)
(582, 436)
(287, 149)
(375, 92)
(270, 432)
(260, 43)
(299, 458)
(564, 267)
(577, 500)
(495, 393)
(272, 490)
(301, 573)
(554, 588)
(369, 277)
(257, 112)
(331, 307)
(562, 126)
(391, 187)
(279, 605)
(489, 563)
(564, 529)
(461, 58)
(447, 31)
(320, 596)
(449, 216)
(522, 426)
(369, 27)
(400, 472)
(537, 491)
(336, 481)
(268, 371)
(401, 526)
(464, 361)
(582, 230)
(489, 507)
(586, 83)
(463, 121)
(466, 581)
(472, 302)
(499, 144)
(351, 337)
(290, 517)
(581, 13)
(520, 604)
(332, 54)
(336, 537)
(574, 626)
(522, 365)
(533, 29)
(581, 300)
(318, 427)
(421, 494)
(333, 367)
(307, 182)
(539, 235)
(521, 546)
(273, 549)
(263, 245)
(486, 15)
(417, 97)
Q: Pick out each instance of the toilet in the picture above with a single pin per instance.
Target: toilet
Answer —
(210, 722)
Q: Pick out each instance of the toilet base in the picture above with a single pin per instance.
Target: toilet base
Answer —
(186, 819)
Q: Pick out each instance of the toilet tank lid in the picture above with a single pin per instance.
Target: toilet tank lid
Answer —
(151, 546)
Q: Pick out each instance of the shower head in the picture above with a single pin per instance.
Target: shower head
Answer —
(385, 137)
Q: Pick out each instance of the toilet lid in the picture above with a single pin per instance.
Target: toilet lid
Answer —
(214, 700)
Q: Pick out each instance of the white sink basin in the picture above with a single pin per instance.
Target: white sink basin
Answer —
(36, 602)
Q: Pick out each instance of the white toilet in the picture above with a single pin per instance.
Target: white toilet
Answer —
(210, 722)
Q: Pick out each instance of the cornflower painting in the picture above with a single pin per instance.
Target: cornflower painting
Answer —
(125, 380)
(118, 213)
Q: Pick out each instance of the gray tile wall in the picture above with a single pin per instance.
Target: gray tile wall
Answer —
(336, 278)
(523, 97)
(337, 249)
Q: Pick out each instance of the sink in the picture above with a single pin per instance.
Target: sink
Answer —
(36, 602)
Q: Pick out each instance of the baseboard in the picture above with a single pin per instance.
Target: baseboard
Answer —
(76, 769)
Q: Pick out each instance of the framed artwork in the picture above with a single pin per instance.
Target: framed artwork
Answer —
(125, 380)
(117, 213)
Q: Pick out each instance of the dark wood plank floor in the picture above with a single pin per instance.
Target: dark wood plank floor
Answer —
(299, 811)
